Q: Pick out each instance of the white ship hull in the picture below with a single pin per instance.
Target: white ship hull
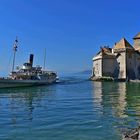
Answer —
(8, 83)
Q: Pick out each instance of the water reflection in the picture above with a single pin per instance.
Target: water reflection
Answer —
(120, 100)
(112, 95)
(21, 102)
(133, 99)
(97, 94)
(120, 108)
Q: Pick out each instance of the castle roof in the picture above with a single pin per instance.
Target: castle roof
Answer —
(123, 44)
(137, 36)
(107, 51)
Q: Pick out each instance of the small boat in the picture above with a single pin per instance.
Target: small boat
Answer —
(27, 75)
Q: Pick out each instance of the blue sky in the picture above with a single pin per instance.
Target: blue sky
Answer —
(72, 31)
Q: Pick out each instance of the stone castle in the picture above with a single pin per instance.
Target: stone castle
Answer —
(121, 62)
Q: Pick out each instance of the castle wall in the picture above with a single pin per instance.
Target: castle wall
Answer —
(97, 67)
(137, 67)
(109, 66)
(131, 64)
(121, 66)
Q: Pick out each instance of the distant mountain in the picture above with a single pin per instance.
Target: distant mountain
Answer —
(86, 72)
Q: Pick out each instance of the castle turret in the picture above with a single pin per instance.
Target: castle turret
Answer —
(137, 42)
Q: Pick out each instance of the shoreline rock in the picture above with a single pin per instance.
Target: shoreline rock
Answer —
(133, 134)
(102, 78)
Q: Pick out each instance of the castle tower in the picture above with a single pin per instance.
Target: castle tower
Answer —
(124, 55)
(137, 42)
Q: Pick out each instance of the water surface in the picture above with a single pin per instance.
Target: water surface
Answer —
(74, 109)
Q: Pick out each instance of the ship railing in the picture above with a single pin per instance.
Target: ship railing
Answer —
(49, 72)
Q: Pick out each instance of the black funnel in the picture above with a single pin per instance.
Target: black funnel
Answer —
(31, 59)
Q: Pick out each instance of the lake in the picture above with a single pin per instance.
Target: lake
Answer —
(73, 109)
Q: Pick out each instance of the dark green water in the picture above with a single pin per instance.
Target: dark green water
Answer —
(74, 109)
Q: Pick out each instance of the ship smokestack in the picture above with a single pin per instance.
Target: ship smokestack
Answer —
(31, 59)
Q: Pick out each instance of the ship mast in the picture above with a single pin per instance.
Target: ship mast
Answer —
(15, 50)
(44, 60)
